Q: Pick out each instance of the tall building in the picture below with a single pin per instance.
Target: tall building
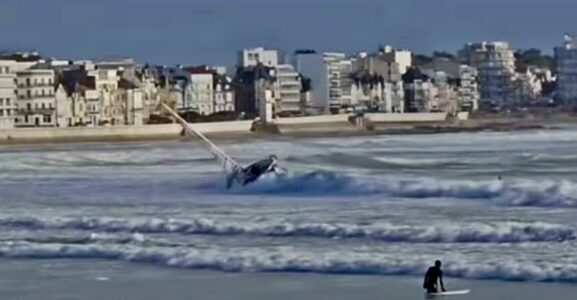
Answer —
(468, 89)
(8, 94)
(250, 84)
(566, 59)
(289, 87)
(253, 56)
(420, 91)
(495, 62)
(339, 69)
(311, 65)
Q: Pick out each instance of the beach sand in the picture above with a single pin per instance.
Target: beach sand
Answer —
(107, 280)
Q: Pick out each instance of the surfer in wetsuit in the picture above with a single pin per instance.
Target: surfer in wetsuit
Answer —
(433, 275)
(253, 172)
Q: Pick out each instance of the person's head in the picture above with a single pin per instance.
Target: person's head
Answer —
(437, 263)
(273, 157)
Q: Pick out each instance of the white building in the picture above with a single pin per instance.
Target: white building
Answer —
(468, 89)
(36, 98)
(252, 57)
(8, 94)
(495, 62)
(64, 108)
(527, 87)
(339, 69)
(566, 59)
(385, 67)
(200, 91)
(403, 58)
(289, 87)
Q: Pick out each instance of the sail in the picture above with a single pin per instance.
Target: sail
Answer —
(229, 165)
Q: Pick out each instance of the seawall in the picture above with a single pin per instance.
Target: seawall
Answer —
(118, 133)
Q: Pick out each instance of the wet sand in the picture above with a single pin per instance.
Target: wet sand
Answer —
(107, 280)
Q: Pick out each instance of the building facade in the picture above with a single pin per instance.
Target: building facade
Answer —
(254, 56)
(223, 94)
(36, 98)
(289, 87)
(566, 60)
(311, 65)
(495, 62)
(8, 94)
(200, 90)
(339, 69)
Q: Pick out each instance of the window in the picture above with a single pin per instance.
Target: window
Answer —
(1, 112)
(43, 106)
(28, 107)
(8, 102)
(29, 94)
(1, 102)
(50, 105)
(36, 106)
(8, 112)
(28, 81)
(26, 119)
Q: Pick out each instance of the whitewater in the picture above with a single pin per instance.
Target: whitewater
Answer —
(379, 205)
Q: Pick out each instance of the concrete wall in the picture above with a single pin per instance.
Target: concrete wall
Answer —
(463, 116)
(405, 118)
(312, 120)
(117, 132)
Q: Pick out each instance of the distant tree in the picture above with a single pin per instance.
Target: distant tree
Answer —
(443, 54)
(533, 57)
(420, 60)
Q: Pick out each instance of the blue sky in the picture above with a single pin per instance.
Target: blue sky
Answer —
(210, 31)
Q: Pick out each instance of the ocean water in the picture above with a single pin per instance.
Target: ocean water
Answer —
(375, 206)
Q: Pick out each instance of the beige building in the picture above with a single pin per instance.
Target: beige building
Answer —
(8, 94)
(36, 98)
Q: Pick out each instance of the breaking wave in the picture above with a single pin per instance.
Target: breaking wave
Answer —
(497, 232)
(289, 260)
(508, 193)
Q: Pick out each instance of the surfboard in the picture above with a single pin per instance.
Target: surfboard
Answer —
(448, 293)
(230, 166)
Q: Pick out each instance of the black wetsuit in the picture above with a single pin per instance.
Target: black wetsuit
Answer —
(254, 171)
(433, 275)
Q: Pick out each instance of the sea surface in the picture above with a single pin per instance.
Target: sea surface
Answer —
(494, 207)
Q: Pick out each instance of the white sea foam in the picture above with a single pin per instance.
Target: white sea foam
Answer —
(510, 193)
(290, 260)
(494, 232)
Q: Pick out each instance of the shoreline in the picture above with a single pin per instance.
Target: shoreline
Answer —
(82, 279)
(307, 131)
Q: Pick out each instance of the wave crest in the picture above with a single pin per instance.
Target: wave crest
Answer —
(496, 232)
(288, 260)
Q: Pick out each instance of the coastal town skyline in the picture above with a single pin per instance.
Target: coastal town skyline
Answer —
(199, 32)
